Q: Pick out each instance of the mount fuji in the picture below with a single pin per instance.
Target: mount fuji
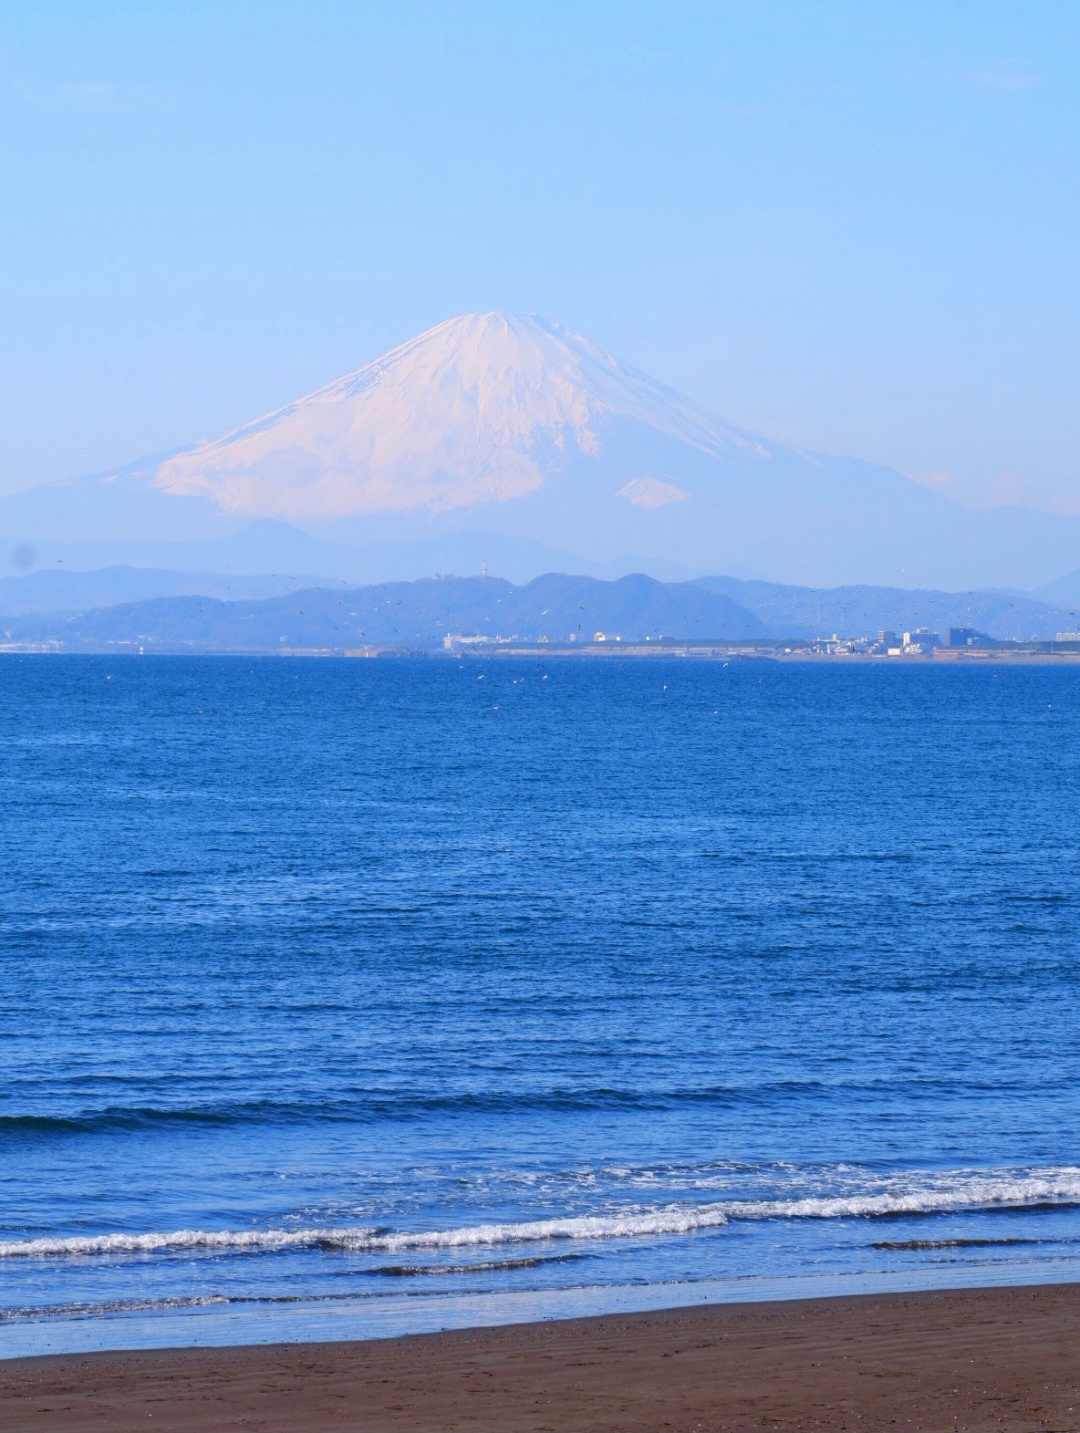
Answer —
(510, 440)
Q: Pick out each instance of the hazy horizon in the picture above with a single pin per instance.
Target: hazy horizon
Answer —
(512, 438)
(845, 229)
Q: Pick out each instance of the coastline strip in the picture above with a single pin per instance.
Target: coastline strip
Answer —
(972, 1359)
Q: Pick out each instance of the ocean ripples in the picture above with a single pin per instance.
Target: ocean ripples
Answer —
(416, 1104)
(315, 970)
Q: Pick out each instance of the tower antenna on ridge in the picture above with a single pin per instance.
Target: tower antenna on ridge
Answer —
(483, 568)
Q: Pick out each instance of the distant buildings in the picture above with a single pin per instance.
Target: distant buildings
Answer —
(962, 643)
(919, 642)
(968, 637)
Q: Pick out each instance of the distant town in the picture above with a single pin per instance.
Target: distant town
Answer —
(960, 643)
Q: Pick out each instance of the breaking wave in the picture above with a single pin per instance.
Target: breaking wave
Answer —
(675, 1220)
(958, 1192)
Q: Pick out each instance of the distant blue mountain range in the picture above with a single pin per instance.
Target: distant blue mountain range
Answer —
(235, 615)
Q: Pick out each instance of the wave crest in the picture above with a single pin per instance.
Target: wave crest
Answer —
(948, 1194)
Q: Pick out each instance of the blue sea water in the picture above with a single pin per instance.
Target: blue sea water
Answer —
(352, 997)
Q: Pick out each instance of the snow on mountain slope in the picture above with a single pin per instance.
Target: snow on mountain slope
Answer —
(518, 431)
(475, 410)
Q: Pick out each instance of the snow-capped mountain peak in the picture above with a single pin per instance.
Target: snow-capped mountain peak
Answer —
(478, 409)
(507, 438)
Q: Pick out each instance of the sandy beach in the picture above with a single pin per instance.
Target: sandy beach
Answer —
(982, 1359)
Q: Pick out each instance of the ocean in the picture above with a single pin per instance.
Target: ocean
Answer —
(344, 998)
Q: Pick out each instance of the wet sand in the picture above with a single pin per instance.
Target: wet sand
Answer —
(977, 1359)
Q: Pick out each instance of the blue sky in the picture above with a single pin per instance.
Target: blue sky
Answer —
(852, 227)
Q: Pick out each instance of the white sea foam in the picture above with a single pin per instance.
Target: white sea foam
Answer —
(940, 1196)
(671, 1220)
(948, 1192)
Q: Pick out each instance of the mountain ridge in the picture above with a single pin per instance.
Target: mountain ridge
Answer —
(557, 607)
(406, 614)
(517, 428)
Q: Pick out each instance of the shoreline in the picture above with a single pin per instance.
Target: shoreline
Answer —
(621, 651)
(960, 1359)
